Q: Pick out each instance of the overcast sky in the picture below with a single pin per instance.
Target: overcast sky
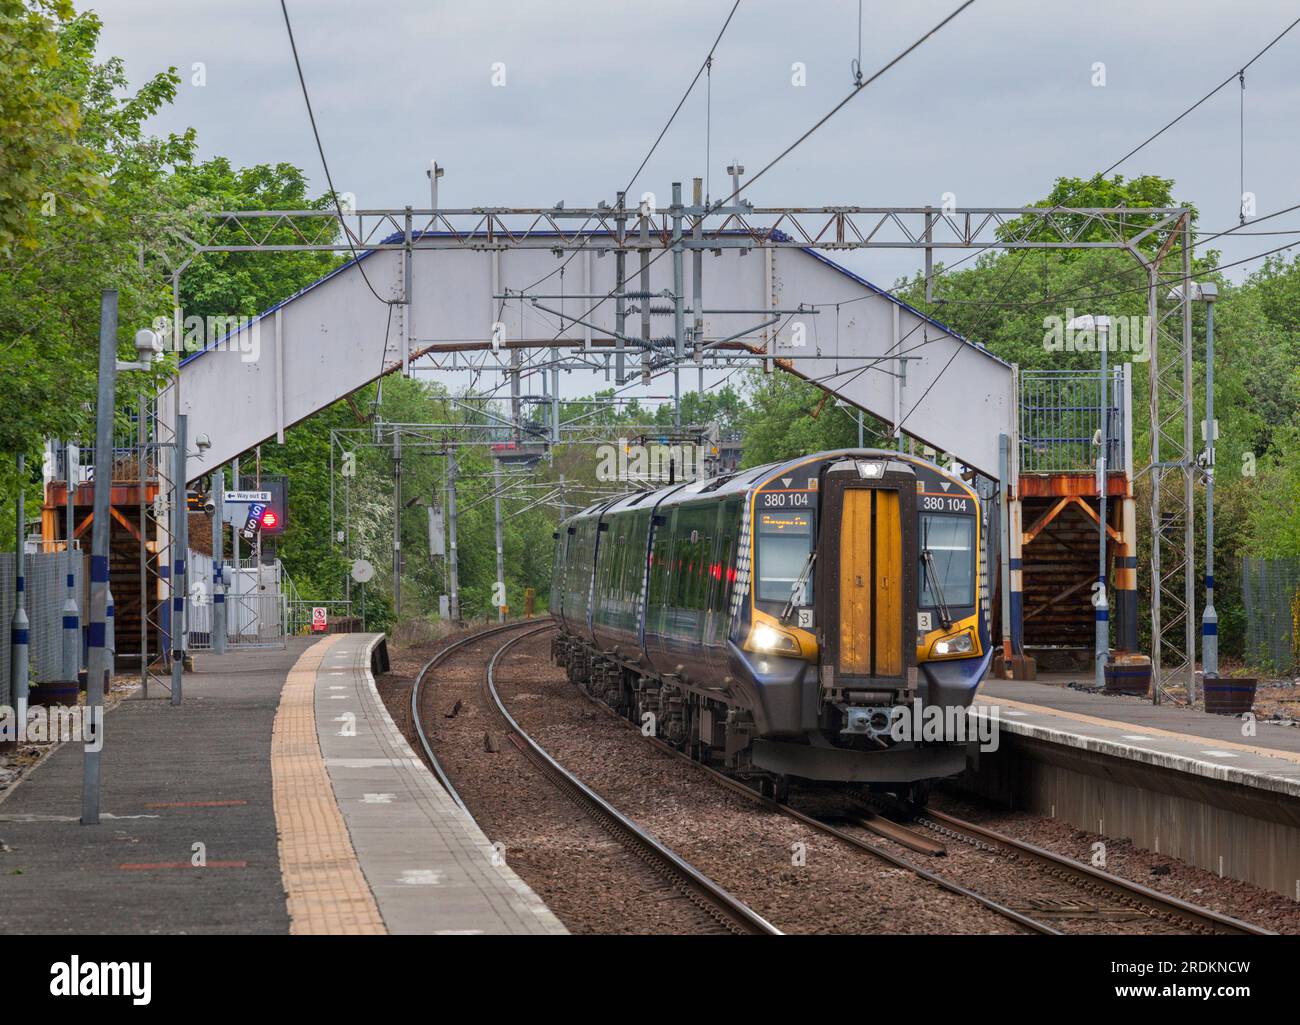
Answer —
(991, 109)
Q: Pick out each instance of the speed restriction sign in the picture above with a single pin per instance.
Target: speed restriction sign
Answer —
(318, 620)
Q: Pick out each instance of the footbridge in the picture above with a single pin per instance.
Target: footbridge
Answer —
(782, 307)
(640, 290)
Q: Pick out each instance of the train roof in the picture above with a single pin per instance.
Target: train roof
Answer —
(740, 482)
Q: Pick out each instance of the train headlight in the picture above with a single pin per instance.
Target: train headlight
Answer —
(766, 638)
(955, 644)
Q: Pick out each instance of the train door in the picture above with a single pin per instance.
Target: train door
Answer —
(866, 581)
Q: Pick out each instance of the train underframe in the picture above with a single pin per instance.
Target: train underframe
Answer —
(724, 735)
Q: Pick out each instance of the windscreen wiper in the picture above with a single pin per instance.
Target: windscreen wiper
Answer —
(797, 586)
(932, 571)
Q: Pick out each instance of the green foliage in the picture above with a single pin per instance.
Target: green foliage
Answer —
(786, 417)
(39, 124)
(1078, 193)
(245, 284)
(84, 191)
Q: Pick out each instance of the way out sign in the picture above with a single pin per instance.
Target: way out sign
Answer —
(318, 620)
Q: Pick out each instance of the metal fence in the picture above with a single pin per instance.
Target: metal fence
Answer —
(1060, 415)
(1270, 590)
(301, 613)
(46, 591)
(255, 606)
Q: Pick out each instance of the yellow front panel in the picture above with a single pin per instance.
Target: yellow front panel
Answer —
(855, 583)
(889, 585)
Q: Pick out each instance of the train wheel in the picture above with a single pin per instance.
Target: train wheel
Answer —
(918, 794)
(776, 787)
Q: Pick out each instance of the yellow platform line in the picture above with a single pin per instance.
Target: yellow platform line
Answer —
(1155, 731)
(324, 886)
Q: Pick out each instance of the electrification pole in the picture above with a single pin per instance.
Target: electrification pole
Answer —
(71, 614)
(1209, 618)
(1103, 605)
(501, 565)
(97, 658)
(180, 547)
(397, 522)
(218, 555)
(453, 564)
(620, 285)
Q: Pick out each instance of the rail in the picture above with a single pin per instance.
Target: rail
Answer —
(1201, 919)
(729, 909)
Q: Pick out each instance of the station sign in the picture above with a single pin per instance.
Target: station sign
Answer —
(246, 496)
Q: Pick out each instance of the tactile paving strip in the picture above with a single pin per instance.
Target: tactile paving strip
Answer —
(325, 888)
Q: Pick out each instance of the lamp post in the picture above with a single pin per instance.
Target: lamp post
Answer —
(1101, 606)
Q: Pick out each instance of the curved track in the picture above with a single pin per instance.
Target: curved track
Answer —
(433, 663)
(827, 829)
(728, 912)
(736, 916)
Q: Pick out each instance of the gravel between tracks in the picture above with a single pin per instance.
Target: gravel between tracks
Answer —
(1168, 875)
(583, 874)
(746, 848)
(589, 879)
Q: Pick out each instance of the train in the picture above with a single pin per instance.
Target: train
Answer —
(792, 621)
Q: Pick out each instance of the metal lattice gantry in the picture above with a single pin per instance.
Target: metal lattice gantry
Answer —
(754, 328)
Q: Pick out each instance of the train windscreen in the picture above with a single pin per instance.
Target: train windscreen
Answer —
(948, 570)
(784, 541)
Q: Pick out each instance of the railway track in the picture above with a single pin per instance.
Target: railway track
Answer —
(1104, 896)
(725, 911)
(438, 659)
(1108, 893)
(891, 830)
(1111, 894)
(868, 820)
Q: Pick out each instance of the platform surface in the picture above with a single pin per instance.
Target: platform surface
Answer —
(428, 865)
(1184, 740)
(279, 797)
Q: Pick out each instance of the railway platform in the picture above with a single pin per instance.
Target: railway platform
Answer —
(278, 798)
(1220, 792)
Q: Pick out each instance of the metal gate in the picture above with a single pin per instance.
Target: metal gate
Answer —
(256, 611)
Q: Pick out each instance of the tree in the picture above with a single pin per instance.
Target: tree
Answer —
(86, 193)
(787, 417)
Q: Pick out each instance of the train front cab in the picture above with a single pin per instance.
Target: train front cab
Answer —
(874, 654)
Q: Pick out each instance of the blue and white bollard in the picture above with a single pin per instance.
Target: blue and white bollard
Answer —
(1102, 608)
(71, 636)
(20, 626)
(1210, 633)
(218, 610)
(18, 640)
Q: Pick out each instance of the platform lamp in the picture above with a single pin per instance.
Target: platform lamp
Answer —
(1101, 607)
(1208, 293)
